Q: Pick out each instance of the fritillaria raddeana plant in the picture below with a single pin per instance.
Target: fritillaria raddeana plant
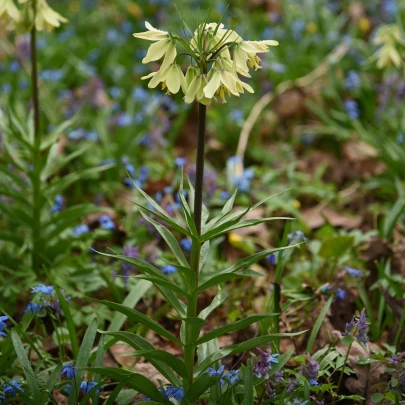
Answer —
(218, 57)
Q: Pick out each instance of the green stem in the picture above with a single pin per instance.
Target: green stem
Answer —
(189, 349)
(36, 180)
(342, 372)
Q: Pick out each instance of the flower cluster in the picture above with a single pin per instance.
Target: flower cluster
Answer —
(10, 390)
(263, 366)
(43, 18)
(214, 70)
(359, 326)
(169, 392)
(399, 364)
(310, 371)
(44, 298)
(3, 325)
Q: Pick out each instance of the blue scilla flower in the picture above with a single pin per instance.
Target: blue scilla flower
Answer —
(237, 115)
(340, 294)
(44, 289)
(143, 174)
(52, 75)
(186, 244)
(400, 138)
(125, 120)
(77, 134)
(296, 237)
(174, 392)
(352, 80)
(272, 259)
(86, 387)
(14, 66)
(130, 168)
(57, 204)
(69, 371)
(106, 223)
(215, 373)
(352, 109)
(80, 230)
(139, 94)
(180, 161)
(297, 28)
(10, 390)
(34, 308)
(6, 88)
(354, 272)
(115, 92)
(225, 195)
(232, 377)
(91, 136)
(168, 269)
(23, 84)
(3, 325)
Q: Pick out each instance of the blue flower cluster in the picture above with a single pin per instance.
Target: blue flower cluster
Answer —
(80, 230)
(80, 134)
(45, 298)
(171, 392)
(354, 272)
(352, 109)
(168, 269)
(106, 223)
(130, 181)
(3, 325)
(10, 391)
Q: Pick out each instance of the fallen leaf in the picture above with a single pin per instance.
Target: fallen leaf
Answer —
(317, 216)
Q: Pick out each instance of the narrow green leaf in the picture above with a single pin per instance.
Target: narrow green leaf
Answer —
(25, 364)
(167, 358)
(248, 386)
(164, 283)
(199, 387)
(82, 360)
(216, 302)
(170, 240)
(132, 380)
(171, 298)
(139, 343)
(133, 297)
(392, 218)
(318, 324)
(243, 323)
(229, 204)
(241, 348)
(137, 316)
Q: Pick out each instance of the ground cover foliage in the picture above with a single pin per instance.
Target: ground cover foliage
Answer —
(290, 291)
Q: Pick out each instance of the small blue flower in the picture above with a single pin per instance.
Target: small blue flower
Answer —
(173, 392)
(215, 373)
(340, 294)
(44, 289)
(3, 325)
(313, 383)
(352, 80)
(352, 109)
(34, 308)
(232, 377)
(354, 272)
(180, 161)
(10, 390)
(272, 259)
(80, 230)
(186, 244)
(106, 223)
(296, 237)
(225, 195)
(69, 370)
(14, 66)
(168, 269)
(130, 168)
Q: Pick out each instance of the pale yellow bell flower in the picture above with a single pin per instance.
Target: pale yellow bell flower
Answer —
(152, 34)
(195, 90)
(172, 79)
(163, 46)
(222, 82)
(9, 10)
(244, 55)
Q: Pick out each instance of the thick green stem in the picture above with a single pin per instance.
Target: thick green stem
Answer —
(199, 175)
(189, 350)
(36, 180)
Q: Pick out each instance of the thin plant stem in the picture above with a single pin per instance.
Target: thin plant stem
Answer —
(36, 181)
(342, 372)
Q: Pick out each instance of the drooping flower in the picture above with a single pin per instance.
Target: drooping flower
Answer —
(232, 377)
(68, 370)
(168, 269)
(44, 289)
(8, 9)
(106, 223)
(171, 77)
(11, 390)
(354, 272)
(215, 373)
(3, 325)
(263, 366)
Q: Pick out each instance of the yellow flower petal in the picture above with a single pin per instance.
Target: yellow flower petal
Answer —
(157, 50)
(211, 88)
(152, 34)
(170, 56)
(173, 79)
(193, 89)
